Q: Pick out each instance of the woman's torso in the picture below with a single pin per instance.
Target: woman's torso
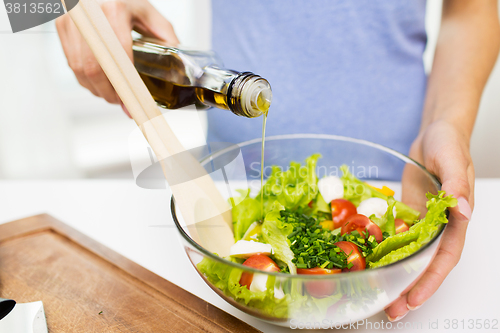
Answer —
(350, 68)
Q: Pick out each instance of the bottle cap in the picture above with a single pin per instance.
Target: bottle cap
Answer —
(260, 97)
(251, 95)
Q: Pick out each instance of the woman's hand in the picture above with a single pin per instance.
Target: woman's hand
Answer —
(467, 48)
(444, 150)
(124, 16)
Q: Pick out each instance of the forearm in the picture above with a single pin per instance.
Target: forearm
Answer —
(466, 52)
(467, 48)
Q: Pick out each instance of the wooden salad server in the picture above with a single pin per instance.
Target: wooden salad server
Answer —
(195, 193)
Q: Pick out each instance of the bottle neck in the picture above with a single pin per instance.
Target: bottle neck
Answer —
(177, 78)
(249, 95)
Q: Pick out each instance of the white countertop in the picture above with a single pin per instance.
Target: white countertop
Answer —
(136, 223)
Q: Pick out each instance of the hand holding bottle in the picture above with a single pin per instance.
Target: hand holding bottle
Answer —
(123, 16)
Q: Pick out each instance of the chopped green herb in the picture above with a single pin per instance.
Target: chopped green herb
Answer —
(365, 245)
(312, 245)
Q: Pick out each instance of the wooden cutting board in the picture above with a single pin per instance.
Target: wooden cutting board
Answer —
(86, 287)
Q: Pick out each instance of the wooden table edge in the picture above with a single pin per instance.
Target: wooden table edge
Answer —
(45, 222)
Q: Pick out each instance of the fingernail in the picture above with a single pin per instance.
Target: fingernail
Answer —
(413, 308)
(464, 208)
(397, 318)
(124, 108)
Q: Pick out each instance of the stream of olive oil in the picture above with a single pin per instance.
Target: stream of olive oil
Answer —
(262, 166)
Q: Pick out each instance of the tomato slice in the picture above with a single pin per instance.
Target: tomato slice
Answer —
(341, 210)
(354, 256)
(400, 225)
(321, 288)
(361, 223)
(258, 261)
(318, 271)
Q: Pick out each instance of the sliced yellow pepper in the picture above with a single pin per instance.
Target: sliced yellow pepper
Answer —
(384, 190)
(326, 224)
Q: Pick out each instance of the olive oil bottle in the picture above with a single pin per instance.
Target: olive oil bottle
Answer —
(178, 78)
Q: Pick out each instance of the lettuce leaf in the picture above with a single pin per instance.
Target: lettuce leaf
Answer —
(406, 213)
(322, 205)
(227, 278)
(244, 213)
(386, 222)
(436, 208)
(318, 307)
(292, 305)
(275, 233)
(404, 244)
(356, 191)
(393, 243)
(243, 194)
(396, 255)
(293, 188)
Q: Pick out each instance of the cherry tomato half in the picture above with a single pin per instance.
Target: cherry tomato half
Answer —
(258, 261)
(318, 271)
(321, 288)
(341, 210)
(360, 223)
(354, 256)
(400, 225)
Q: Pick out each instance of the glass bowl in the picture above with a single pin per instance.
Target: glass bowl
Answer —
(349, 296)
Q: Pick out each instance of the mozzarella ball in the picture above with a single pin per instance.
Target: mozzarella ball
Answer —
(245, 249)
(331, 188)
(373, 206)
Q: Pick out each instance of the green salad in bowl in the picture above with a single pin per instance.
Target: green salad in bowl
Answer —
(329, 247)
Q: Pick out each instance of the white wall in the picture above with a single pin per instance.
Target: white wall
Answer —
(485, 145)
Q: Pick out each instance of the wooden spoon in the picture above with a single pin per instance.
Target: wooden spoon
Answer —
(198, 199)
